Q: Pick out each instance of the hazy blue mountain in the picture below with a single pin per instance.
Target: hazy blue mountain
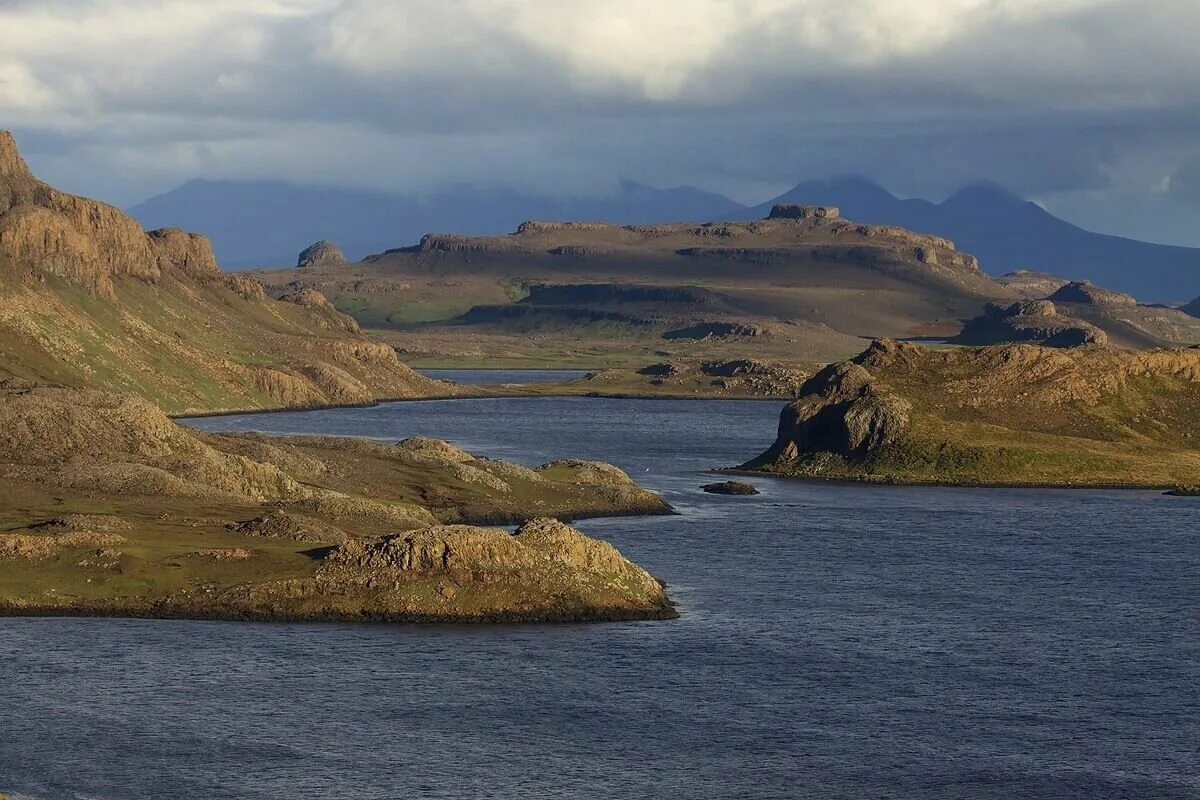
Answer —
(1008, 232)
(267, 223)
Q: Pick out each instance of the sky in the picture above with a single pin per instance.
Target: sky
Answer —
(1091, 107)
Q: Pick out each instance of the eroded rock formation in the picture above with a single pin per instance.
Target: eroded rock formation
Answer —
(321, 254)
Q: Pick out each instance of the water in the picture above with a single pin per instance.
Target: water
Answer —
(837, 641)
(494, 376)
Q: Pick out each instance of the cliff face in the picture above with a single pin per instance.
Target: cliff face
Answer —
(86, 242)
(89, 299)
(1012, 414)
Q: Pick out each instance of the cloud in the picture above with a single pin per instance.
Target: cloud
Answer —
(1184, 182)
(124, 97)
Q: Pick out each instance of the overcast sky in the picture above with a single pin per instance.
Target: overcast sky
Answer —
(1090, 106)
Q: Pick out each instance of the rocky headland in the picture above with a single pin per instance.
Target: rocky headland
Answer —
(107, 506)
(1000, 415)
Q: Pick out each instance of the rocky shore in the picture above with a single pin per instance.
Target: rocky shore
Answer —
(108, 507)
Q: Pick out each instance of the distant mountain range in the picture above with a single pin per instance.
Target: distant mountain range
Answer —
(260, 224)
(257, 224)
(1007, 232)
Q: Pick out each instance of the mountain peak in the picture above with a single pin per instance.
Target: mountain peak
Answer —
(985, 191)
(844, 190)
(11, 163)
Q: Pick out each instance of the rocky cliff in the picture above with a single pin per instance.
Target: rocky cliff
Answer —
(89, 299)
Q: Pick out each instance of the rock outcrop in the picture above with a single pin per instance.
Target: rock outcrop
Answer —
(321, 254)
(294, 527)
(1034, 321)
(730, 488)
(1087, 293)
(189, 252)
(843, 410)
(47, 232)
(324, 310)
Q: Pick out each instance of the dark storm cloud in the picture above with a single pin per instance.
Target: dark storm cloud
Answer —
(124, 97)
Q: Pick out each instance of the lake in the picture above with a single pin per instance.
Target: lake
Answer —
(836, 641)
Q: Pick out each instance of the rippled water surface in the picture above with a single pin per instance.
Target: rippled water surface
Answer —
(836, 642)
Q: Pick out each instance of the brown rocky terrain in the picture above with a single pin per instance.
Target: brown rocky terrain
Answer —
(110, 507)
(802, 283)
(1012, 414)
(90, 300)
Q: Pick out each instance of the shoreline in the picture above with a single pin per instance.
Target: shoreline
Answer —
(149, 612)
(481, 396)
(851, 480)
